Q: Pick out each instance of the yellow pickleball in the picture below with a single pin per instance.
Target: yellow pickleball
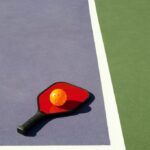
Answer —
(58, 97)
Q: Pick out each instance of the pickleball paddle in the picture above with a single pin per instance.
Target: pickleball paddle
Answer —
(48, 105)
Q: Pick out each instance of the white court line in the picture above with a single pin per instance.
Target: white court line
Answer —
(113, 121)
(114, 127)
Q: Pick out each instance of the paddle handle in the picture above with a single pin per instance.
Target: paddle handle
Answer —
(24, 128)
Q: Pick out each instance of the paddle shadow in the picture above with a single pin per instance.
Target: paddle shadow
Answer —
(83, 108)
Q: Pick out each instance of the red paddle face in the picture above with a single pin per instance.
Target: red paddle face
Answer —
(74, 95)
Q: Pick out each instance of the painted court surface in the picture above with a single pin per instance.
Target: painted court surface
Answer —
(43, 42)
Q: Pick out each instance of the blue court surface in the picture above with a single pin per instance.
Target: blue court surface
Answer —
(43, 42)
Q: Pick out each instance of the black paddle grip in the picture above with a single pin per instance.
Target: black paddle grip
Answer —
(24, 128)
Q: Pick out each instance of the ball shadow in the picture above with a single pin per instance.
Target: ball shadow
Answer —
(83, 108)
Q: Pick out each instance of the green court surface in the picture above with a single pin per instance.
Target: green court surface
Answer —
(125, 28)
